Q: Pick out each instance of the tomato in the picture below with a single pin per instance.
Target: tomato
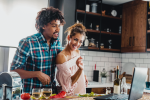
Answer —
(62, 94)
(25, 96)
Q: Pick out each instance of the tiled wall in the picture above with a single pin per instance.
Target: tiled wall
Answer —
(139, 59)
(102, 60)
(109, 61)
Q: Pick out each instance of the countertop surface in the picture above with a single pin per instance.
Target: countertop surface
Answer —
(99, 85)
(109, 84)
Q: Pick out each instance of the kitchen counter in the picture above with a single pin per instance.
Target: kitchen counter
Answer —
(99, 85)
(109, 84)
(144, 97)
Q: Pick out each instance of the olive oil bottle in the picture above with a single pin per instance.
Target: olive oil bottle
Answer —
(117, 82)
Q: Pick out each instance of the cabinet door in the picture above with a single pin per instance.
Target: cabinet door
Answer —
(127, 34)
(139, 27)
(100, 90)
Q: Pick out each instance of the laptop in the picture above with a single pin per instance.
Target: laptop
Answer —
(136, 90)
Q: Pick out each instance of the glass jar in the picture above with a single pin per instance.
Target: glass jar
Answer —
(108, 90)
(92, 42)
(102, 45)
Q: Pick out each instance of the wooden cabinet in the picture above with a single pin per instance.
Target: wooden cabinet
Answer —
(100, 90)
(134, 27)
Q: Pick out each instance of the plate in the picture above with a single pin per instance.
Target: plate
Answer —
(114, 13)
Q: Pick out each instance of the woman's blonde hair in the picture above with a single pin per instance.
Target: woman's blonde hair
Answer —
(76, 28)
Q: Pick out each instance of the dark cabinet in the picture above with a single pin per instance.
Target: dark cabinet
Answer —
(108, 25)
(134, 27)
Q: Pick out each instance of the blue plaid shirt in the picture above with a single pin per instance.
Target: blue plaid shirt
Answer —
(34, 54)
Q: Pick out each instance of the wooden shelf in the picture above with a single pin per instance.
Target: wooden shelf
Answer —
(148, 13)
(104, 32)
(112, 17)
(80, 11)
(94, 31)
(109, 49)
(95, 48)
(98, 14)
(148, 31)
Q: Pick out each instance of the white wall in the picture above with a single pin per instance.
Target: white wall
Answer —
(17, 19)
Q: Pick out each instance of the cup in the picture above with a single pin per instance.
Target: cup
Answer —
(36, 93)
(47, 92)
(147, 84)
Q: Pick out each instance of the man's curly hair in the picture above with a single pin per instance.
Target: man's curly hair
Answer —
(46, 15)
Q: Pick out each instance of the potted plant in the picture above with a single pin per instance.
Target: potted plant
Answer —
(103, 76)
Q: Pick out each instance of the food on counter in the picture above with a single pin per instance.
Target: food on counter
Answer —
(62, 94)
(92, 94)
(84, 98)
(17, 91)
(42, 97)
(33, 97)
(25, 96)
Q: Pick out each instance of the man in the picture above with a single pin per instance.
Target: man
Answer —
(35, 57)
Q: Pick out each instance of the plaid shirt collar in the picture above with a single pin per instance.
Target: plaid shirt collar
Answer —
(42, 39)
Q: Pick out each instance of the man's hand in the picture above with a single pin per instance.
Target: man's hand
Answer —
(79, 63)
(45, 79)
(86, 81)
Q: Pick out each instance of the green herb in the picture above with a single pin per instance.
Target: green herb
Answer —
(104, 74)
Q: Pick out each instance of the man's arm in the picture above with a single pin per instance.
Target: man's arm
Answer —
(27, 74)
(45, 79)
(19, 63)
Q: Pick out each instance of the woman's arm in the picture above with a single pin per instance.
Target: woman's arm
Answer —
(76, 76)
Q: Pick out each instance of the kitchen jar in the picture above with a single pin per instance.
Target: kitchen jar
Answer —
(92, 42)
(94, 7)
(102, 45)
(87, 7)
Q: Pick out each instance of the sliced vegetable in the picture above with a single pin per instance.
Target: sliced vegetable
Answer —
(33, 97)
(92, 94)
(42, 97)
(62, 94)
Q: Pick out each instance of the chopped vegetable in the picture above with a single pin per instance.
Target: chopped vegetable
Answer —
(33, 97)
(42, 97)
(89, 95)
(53, 94)
(62, 94)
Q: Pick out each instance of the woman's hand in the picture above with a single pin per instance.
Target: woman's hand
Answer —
(45, 79)
(79, 63)
(86, 81)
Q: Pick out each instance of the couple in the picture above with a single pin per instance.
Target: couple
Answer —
(38, 55)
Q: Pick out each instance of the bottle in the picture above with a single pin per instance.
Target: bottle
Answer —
(119, 29)
(86, 42)
(97, 44)
(123, 86)
(113, 76)
(117, 82)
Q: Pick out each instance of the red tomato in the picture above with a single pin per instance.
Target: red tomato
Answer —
(62, 94)
(25, 96)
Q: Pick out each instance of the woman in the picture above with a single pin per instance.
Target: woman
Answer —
(69, 63)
